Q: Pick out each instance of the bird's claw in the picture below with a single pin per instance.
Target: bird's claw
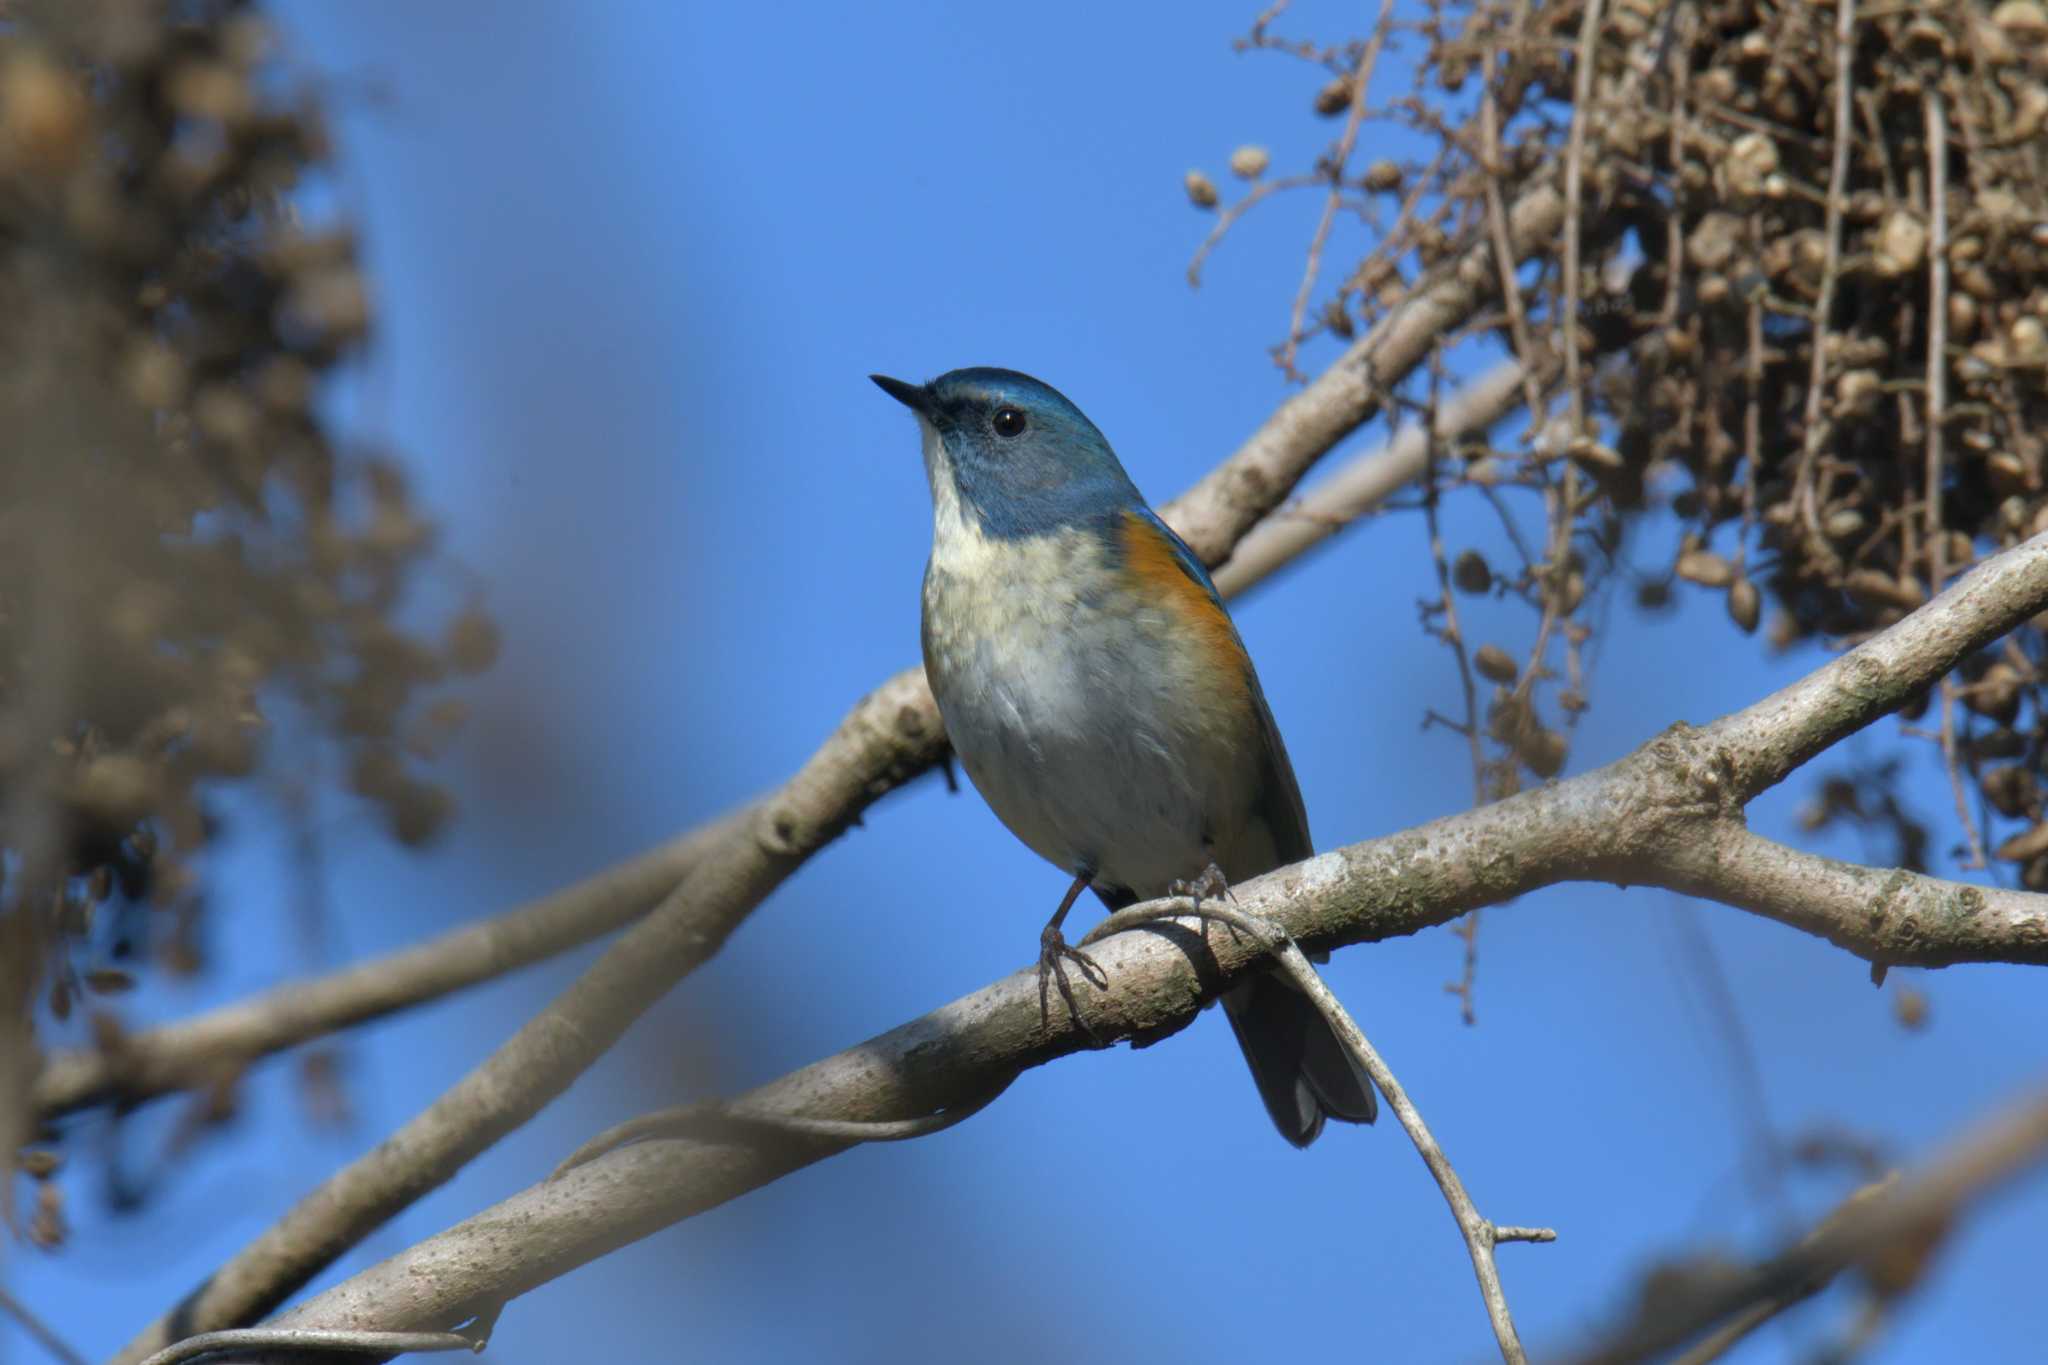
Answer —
(1211, 884)
(1054, 952)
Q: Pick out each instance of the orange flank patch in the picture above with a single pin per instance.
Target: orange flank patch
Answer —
(1155, 566)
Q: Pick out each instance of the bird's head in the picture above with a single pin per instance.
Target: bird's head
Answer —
(1013, 452)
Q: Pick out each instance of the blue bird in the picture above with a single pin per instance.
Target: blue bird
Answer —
(1101, 701)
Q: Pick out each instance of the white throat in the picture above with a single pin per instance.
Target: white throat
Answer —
(957, 538)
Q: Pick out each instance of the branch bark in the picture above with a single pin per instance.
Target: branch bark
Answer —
(1369, 480)
(1655, 817)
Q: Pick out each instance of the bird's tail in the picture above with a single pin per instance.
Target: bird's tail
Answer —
(1304, 1073)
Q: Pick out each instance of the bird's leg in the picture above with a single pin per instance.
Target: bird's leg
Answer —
(1054, 951)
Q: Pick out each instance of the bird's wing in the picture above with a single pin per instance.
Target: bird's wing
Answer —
(1304, 1074)
(1279, 804)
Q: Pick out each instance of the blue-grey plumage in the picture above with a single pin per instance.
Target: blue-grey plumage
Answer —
(1099, 697)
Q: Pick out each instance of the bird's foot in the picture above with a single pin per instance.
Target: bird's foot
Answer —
(1211, 884)
(1054, 952)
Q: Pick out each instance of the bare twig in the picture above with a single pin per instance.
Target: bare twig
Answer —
(1563, 499)
(1480, 1234)
(710, 1116)
(1227, 219)
(1454, 636)
(44, 1334)
(1831, 267)
(1574, 193)
(1361, 82)
(1497, 227)
(1933, 533)
(1751, 1110)
(308, 1340)
(1666, 815)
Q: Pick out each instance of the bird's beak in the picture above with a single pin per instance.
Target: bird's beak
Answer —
(916, 397)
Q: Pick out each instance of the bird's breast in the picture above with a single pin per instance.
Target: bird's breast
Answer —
(1084, 710)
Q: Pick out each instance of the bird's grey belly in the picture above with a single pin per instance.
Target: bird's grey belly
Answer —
(1066, 717)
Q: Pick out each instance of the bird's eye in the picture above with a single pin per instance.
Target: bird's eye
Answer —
(1008, 421)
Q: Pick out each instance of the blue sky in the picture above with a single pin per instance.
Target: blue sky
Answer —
(633, 264)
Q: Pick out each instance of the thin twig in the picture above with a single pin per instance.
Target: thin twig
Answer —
(1227, 219)
(312, 1340)
(1453, 635)
(1831, 266)
(1752, 420)
(1934, 534)
(1479, 1233)
(1574, 193)
(1563, 500)
(1361, 80)
(1503, 250)
(40, 1330)
(687, 1120)
(1751, 1105)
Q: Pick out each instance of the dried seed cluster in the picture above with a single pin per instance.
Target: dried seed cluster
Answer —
(181, 543)
(1810, 318)
(1843, 341)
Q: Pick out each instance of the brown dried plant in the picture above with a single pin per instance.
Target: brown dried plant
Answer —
(184, 549)
(1800, 305)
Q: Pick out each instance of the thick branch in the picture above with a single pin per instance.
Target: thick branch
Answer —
(1885, 915)
(1766, 742)
(1639, 820)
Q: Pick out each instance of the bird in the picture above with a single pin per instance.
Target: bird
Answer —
(1101, 701)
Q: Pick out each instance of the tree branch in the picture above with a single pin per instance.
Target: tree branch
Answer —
(1889, 917)
(1765, 743)
(1368, 480)
(1217, 512)
(1640, 820)
(188, 1053)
